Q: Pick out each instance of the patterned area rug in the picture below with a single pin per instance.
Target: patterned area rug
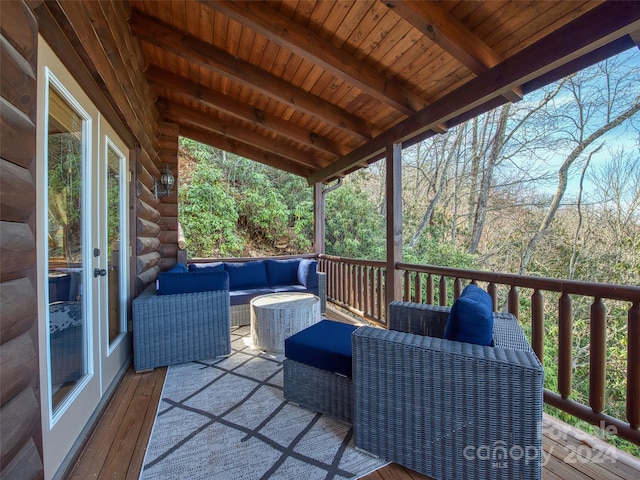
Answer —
(228, 419)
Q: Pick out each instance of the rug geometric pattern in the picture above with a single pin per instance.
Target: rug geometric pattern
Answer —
(227, 419)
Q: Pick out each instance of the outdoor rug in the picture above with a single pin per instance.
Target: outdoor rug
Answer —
(228, 419)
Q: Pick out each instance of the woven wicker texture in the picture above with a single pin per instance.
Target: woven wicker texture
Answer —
(171, 329)
(448, 409)
(276, 316)
(318, 390)
(241, 314)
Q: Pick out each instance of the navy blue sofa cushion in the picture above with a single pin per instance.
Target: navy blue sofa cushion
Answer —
(243, 297)
(282, 272)
(245, 275)
(325, 345)
(471, 317)
(170, 283)
(307, 273)
(208, 267)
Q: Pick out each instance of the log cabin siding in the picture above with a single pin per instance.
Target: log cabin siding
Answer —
(20, 426)
(168, 207)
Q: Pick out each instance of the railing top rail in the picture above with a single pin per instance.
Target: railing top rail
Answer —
(354, 261)
(590, 289)
(248, 259)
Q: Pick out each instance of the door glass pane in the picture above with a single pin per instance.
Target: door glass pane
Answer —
(114, 174)
(67, 327)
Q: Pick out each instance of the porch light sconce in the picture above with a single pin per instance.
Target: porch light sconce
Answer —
(163, 186)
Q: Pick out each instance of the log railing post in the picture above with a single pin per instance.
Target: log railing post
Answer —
(442, 285)
(430, 292)
(537, 324)
(457, 289)
(565, 345)
(597, 355)
(492, 290)
(514, 301)
(633, 366)
(418, 295)
(407, 286)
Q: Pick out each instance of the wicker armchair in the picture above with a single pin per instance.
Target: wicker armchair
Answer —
(171, 329)
(449, 410)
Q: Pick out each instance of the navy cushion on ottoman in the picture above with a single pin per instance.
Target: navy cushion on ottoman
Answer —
(325, 345)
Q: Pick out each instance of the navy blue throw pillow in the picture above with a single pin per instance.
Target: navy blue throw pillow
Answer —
(282, 272)
(471, 317)
(206, 267)
(243, 275)
(308, 273)
(169, 283)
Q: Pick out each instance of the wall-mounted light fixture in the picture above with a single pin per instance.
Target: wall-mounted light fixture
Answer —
(165, 184)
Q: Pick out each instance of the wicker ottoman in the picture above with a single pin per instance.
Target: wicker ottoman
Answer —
(317, 369)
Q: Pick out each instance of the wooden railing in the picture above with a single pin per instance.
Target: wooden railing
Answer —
(358, 286)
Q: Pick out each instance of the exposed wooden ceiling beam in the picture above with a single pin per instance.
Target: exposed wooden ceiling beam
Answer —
(180, 114)
(196, 92)
(218, 61)
(596, 28)
(243, 150)
(288, 34)
(452, 35)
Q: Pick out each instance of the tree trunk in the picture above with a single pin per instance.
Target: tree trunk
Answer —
(563, 179)
(487, 179)
(441, 183)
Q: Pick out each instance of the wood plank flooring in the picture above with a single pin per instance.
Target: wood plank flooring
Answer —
(116, 448)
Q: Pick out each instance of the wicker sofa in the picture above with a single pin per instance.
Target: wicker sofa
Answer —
(171, 328)
(248, 279)
(448, 409)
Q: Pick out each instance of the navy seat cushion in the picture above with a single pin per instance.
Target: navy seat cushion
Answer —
(295, 288)
(208, 267)
(170, 283)
(307, 273)
(471, 317)
(325, 345)
(243, 297)
(282, 272)
(245, 275)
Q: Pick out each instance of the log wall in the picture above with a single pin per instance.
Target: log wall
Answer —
(168, 207)
(20, 426)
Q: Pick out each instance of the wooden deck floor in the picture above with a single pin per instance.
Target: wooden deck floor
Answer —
(116, 448)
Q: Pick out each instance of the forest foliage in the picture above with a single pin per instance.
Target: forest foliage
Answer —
(549, 186)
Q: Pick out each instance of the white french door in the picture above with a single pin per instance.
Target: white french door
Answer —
(112, 242)
(82, 258)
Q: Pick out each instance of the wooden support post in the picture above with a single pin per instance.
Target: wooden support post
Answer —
(318, 219)
(393, 287)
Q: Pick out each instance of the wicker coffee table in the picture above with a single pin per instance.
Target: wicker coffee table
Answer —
(276, 316)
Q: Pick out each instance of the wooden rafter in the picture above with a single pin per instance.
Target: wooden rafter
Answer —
(218, 61)
(182, 115)
(242, 149)
(196, 92)
(613, 20)
(283, 31)
(449, 33)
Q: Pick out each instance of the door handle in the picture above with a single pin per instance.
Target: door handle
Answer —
(99, 272)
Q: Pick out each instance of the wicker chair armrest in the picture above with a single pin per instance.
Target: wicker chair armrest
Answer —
(368, 342)
(322, 291)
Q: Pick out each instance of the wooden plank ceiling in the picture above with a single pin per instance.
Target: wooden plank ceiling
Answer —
(319, 88)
